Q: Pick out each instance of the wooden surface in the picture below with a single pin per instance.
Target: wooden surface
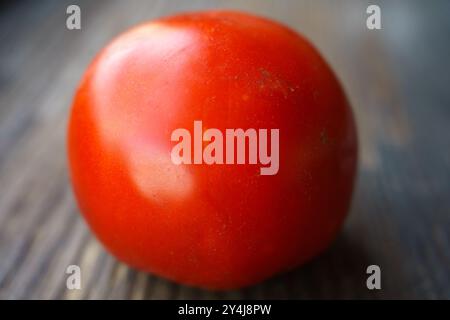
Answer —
(397, 79)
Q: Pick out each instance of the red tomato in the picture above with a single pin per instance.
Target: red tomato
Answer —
(214, 226)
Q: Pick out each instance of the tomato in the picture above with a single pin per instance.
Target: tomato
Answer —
(216, 226)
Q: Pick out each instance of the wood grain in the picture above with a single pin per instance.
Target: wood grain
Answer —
(397, 80)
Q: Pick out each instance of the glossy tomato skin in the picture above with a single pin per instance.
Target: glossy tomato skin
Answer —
(213, 226)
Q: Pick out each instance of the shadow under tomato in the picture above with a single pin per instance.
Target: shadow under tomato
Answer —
(338, 273)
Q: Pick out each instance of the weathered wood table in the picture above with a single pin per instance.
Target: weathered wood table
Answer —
(397, 79)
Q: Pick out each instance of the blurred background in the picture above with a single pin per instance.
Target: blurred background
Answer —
(398, 82)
